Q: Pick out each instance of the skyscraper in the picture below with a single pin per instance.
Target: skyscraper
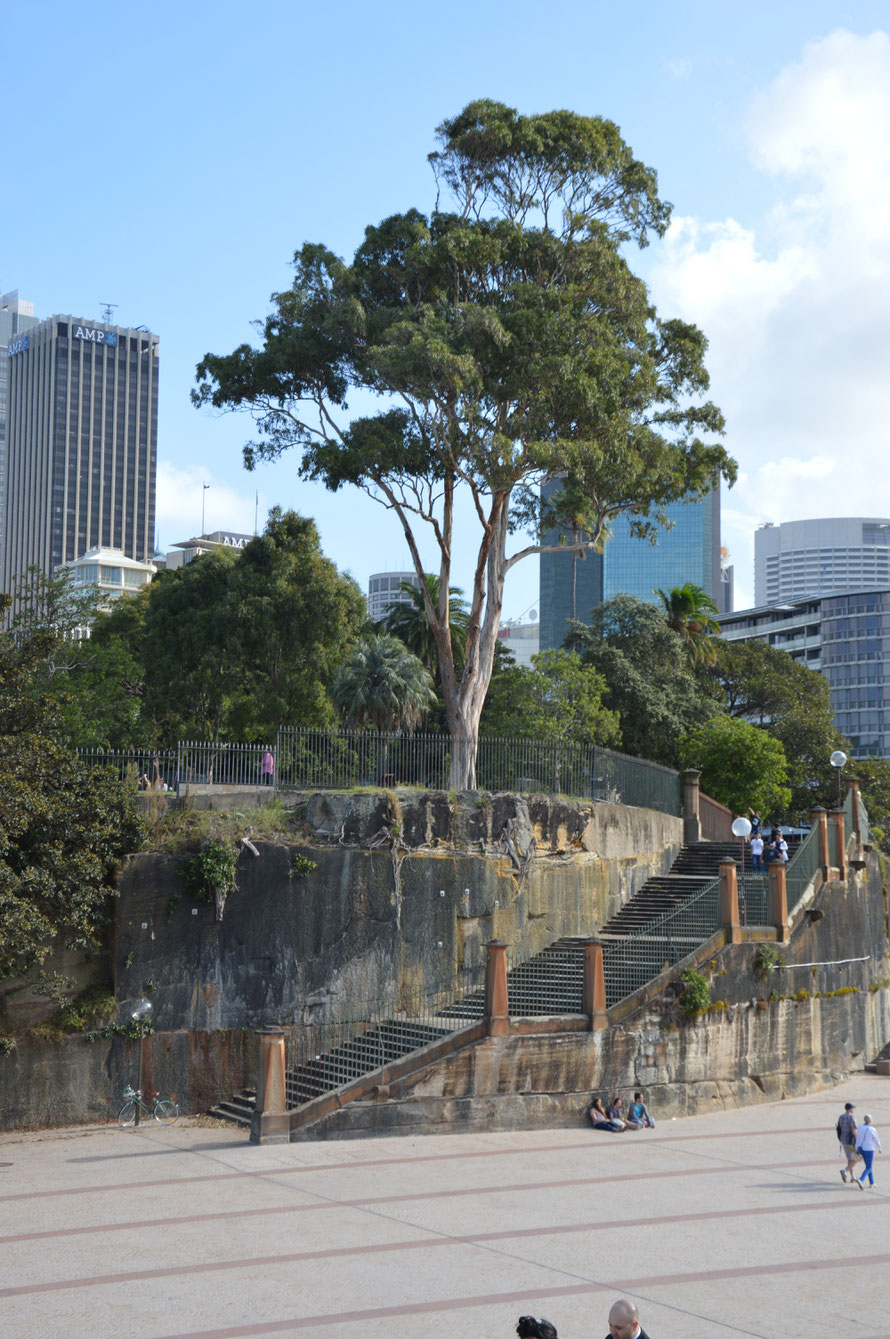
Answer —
(689, 551)
(81, 444)
(16, 316)
(799, 558)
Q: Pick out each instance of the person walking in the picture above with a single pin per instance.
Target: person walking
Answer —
(868, 1143)
(846, 1133)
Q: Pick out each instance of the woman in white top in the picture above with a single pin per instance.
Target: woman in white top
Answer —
(867, 1142)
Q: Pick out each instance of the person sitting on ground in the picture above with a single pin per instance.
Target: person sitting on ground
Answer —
(599, 1117)
(624, 1321)
(529, 1328)
(616, 1113)
(638, 1113)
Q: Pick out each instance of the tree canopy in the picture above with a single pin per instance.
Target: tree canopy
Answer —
(559, 698)
(384, 686)
(63, 825)
(509, 343)
(741, 765)
(648, 682)
(690, 611)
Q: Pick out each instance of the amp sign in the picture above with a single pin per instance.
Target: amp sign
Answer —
(94, 336)
(17, 346)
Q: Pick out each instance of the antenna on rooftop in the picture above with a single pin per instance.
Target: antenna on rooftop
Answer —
(108, 312)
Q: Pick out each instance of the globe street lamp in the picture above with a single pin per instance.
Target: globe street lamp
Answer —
(741, 828)
(140, 1015)
(838, 760)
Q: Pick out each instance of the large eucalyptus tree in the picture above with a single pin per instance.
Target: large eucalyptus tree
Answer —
(509, 343)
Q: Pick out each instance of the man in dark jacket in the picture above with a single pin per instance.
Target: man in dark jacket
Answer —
(624, 1321)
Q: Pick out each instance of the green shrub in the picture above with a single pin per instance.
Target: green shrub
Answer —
(697, 993)
(766, 960)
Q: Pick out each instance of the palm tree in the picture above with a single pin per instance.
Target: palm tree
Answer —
(383, 686)
(408, 622)
(689, 611)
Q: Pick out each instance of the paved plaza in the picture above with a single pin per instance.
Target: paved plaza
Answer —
(731, 1223)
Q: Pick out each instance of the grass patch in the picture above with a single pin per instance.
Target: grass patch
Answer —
(182, 831)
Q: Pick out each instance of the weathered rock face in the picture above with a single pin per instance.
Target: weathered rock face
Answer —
(408, 888)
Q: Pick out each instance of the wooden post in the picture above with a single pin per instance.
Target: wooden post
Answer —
(778, 902)
(691, 814)
(729, 902)
(819, 819)
(840, 843)
(271, 1122)
(595, 986)
(497, 1005)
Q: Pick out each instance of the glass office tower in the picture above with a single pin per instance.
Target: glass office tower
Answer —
(16, 317)
(82, 444)
(689, 551)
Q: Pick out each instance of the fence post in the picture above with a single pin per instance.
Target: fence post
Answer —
(840, 843)
(691, 815)
(497, 1004)
(271, 1123)
(778, 902)
(729, 902)
(853, 791)
(595, 986)
(819, 819)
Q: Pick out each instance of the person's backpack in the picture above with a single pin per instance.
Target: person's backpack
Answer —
(838, 1132)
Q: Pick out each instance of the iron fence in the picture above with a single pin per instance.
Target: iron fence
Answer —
(326, 1055)
(307, 759)
(549, 984)
(143, 768)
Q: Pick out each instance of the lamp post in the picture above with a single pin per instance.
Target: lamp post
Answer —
(139, 1015)
(838, 760)
(741, 828)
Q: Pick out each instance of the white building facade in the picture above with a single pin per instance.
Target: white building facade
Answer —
(801, 558)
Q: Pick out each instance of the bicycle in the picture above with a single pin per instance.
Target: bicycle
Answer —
(163, 1109)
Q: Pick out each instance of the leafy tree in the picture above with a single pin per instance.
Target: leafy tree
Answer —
(509, 343)
(874, 784)
(647, 676)
(295, 617)
(63, 825)
(408, 622)
(758, 683)
(560, 698)
(690, 611)
(741, 765)
(383, 686)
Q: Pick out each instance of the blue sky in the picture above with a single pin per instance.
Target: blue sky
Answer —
(170, 159)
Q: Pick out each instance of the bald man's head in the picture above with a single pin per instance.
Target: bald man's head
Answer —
(623, 1319)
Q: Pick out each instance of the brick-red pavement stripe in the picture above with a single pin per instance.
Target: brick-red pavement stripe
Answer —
(644, 1136)
(621, 1285)
(717, 1169)
(429, 1242)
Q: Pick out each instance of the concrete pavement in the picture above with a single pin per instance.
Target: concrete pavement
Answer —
(733, 1223)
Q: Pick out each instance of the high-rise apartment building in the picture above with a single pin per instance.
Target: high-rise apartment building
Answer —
(800, 558)
(16, 317)
(385, 590)
(81, 444)
(689, 551)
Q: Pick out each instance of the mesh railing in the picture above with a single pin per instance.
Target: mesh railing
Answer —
(307, 759)
(633, 961)
(324, 1056)
(801, 869)
(864, 829)
(549, 984)
(753, 893)
(716, 820)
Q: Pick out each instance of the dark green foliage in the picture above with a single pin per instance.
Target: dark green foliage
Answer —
(762, 685)
(383, 686)
(211, 873)
(63, 826)
(647, 676)
(560, 698)
(690, 611)
(741, 765)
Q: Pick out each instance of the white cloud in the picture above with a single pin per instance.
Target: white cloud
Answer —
(796, 307)
(179, 499)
